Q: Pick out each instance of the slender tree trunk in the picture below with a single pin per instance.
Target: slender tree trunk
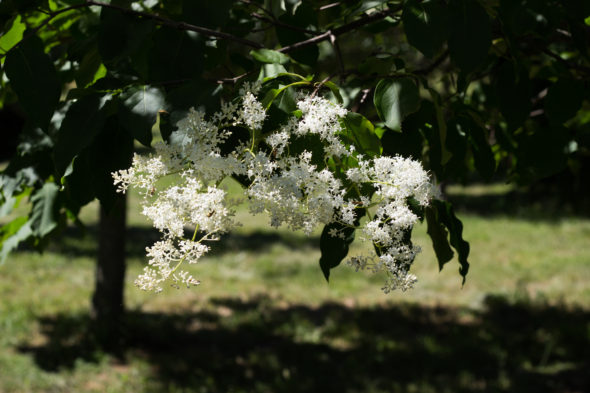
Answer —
(107, 300)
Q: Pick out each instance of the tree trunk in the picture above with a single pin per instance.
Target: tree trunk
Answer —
(107, 300)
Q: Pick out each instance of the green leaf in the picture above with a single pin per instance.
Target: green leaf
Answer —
(446, 216)
(83, 121)
(269, 71)
(564, 99)
(305, 17)
(542, 152)
(395, 99)
(211, 14)
(269, 56)
(34, 80)
(175, 55)
(456, 142)
(485, 163)
(439, 235)
(109, 151)
(12, 36)
(272, 94)
(121, 36)
(362, 135)
(426, 25)
(43, 218)
(445, 155)
(335, 90)
(470, 34)
(379, 65)
(91, 69)
(334, 249)
(11, 234)
(197, 92)
(514, 96)
(139, 111)
(165, 125)
(410, 142)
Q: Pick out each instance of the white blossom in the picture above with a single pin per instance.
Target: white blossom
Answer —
(293, 189)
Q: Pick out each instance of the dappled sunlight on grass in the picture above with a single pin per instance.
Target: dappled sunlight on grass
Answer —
(264, 319)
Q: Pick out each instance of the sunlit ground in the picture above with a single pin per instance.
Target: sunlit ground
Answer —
(265, 320)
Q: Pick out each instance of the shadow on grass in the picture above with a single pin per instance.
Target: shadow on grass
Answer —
(259, 346)
(83, 243)
(530, 205)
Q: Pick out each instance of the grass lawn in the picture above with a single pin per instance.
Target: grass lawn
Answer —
(264, 319)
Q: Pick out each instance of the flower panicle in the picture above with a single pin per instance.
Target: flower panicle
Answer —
(290, 187)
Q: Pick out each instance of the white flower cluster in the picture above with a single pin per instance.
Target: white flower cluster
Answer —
(291, 187)
(396, 180)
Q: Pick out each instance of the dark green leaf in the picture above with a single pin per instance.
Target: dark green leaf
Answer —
(379, 65)
(305, 17)
(485, 163)
(542, 153)
(195, 93)
(310, 143)
(90, 178)
(441, 130)
(446, 216)
(410, 142)
(175, 55)
(165, 125)
(34, 80)
(564, 98)
(395, 99)
(139, 111)
(456, 142)
(426, 25)
(269, 56)
(439, 235)
(91, 68)
(44, 212)
(470, 35)
(211, 14)
(334, 249)
(121, 36)
(514, 96)
(361, 134)
(83, 121)
(335, 90)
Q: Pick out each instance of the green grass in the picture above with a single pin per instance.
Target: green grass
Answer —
(264, 319)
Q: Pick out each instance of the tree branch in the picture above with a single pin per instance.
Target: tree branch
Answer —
(179, 25)
(565, 62)
(276, 22)
(439, 60)
(340, 30)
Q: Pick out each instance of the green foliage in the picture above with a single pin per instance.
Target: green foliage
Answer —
(426, 24)
(361, 132)
(395, 99)
(334, 249)
(269, 56)
(444, 226)
(470, 35)
(34, 80)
